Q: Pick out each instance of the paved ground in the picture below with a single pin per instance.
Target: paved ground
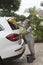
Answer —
(39, 56)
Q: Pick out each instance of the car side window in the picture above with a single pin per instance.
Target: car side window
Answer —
(1, 28)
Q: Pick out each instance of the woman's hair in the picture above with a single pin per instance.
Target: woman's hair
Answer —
(27, 21)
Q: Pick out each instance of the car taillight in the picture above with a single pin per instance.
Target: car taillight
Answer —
(13, 37)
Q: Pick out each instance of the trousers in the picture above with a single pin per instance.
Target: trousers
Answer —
(31, 46)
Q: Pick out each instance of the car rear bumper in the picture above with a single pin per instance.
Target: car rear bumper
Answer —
(14, 57)
(15, 51)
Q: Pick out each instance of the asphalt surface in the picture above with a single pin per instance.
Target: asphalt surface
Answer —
(39, 56)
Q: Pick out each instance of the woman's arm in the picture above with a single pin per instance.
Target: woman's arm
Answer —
(25, 33)
(20, 24)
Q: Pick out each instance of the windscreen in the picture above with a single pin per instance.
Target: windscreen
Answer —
(13, 27)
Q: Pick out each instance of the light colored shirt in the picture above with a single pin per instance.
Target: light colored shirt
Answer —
(29, 36)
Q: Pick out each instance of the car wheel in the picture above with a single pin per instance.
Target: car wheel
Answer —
(1, 61)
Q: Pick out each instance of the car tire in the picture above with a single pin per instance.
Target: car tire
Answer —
(1, 61)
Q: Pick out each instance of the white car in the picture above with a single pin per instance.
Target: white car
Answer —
(11, 44)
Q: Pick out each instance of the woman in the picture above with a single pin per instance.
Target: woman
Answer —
(28, 36)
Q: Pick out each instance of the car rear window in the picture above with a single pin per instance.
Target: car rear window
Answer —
(1, 28)
(13, 27)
